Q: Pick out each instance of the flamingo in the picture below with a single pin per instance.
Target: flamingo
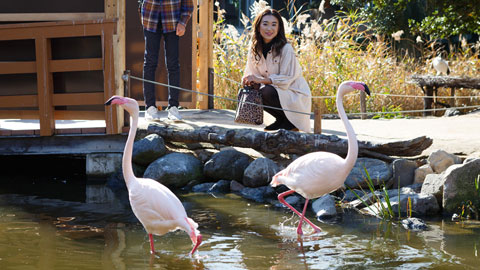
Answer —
(155, 206)
(318, 173)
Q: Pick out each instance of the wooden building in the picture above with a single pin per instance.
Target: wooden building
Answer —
(61, 59)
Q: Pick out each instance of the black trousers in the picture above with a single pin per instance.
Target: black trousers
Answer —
(152, 47)
(270, 98)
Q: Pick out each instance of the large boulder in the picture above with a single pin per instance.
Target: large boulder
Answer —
(440, 160)
(148, 149)
(422, 205)
(227, 165)
(433, 185)
(380, 172)
(459, 188)
(324, 207)
(403, 172)
(260, 194)
(259, 172)
(175, 170)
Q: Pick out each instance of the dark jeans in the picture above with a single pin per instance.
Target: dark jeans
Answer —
(270, 98)
(152, 48)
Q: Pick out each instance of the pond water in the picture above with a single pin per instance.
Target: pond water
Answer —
(41, 230)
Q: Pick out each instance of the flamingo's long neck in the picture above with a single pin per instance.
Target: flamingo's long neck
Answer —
(127, 152)
(352, 138)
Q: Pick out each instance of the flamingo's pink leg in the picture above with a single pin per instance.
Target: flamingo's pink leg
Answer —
(302, 217)
(299, 229)
(152, 248)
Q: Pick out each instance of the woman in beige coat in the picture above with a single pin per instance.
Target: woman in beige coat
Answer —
(273, 64)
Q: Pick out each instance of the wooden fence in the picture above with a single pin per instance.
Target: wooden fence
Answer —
(45, 100)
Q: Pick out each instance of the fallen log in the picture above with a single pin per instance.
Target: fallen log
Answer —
(287, 142)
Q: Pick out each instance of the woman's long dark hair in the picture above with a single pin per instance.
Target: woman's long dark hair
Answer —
(278, 41)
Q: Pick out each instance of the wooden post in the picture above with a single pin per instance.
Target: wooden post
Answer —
(210, 54)
(428, 100)
(452, 100)
(114, 9)
(43, 51)
(317, 121)
(111, 112)
(205, 48)
(363, 105)
(194, 46)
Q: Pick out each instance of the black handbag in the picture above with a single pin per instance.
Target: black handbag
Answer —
(249, 113)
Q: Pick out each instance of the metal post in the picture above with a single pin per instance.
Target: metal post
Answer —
(126, 83)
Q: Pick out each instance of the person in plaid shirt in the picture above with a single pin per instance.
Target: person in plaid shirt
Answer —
(167, 19)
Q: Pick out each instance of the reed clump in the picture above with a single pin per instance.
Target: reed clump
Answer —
(343, 48)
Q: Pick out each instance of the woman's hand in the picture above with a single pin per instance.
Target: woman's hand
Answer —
(251, 79)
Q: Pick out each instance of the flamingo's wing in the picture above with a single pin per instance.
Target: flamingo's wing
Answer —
(157, 208)
(313, 175)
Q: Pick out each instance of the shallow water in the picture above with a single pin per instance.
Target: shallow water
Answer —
(42, 231)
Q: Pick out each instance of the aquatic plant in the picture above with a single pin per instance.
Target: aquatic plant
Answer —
(468, 208)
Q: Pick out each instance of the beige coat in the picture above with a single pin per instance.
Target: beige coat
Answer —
(286, 75)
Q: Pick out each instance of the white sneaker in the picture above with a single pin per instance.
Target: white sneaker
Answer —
(152, 113)
(173, 114)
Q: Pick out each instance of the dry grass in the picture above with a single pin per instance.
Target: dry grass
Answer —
(343, 49)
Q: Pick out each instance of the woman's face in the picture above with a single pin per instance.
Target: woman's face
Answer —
(268, 28)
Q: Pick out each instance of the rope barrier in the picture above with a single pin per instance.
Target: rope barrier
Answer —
(373, 94)
(276, 108)
(210, 95)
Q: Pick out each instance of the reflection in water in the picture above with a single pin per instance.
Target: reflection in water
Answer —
(40, 233)
(114, 246)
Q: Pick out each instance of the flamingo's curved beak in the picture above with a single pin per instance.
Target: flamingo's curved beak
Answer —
(367, 90)
(197, 244)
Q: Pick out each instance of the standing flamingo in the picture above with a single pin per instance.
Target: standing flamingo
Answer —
(319, 173)
(157, 208)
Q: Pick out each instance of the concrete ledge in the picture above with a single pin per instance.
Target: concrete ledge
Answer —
(62, 145)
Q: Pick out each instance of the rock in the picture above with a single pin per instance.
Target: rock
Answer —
(403, 172)
(205, 154)
(259, 172)
(260, 194)
(459, 187)
(324, 207)
(422, 205)
(379, 171)
(222, 186)
(440, 160)
(226, 165)
(451, 112)
(433, 185)
(414, 224)
(350, 195)
(203, 187)
(175, 170)
(148, 149)
(295, 200)
(235, 186)
(422, 172)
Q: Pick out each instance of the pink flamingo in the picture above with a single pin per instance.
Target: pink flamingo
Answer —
(318, 173)
(157, 208)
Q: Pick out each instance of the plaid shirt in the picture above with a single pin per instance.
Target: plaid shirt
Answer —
(170, 12)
